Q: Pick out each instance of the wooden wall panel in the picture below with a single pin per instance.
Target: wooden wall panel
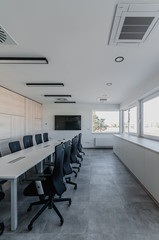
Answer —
(5, 126)
(37, 125)
(17, 127)
(11, 103)
(19, 116)
(28, 116)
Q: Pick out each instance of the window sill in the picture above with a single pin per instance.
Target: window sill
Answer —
(145, 143)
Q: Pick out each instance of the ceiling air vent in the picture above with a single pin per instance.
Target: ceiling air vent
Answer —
(103, 100)
(5, 38)
(133, 23)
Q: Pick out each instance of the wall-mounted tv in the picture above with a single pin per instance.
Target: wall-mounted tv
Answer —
(67, 122)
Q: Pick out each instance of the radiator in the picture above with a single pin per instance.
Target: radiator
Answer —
(103, 142)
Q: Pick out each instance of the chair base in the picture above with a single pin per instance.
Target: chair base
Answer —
(68, 181)
(48, 203)
(75, 173)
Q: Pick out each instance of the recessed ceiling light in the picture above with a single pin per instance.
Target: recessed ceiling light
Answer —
(59, 95)
(109, 84)
(64, 102)
(61, 99)
(23, 60)
(119, 59)
(45, 84)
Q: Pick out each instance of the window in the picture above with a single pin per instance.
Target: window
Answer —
(130, 120)
(126, 121)
(151, 117)
(133, 120)
(105, 121)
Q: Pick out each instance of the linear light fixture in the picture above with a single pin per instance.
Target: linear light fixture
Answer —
(65, 102)
(63, 95)
(23, 60)
(45, 84)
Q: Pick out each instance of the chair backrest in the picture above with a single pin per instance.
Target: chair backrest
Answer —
(1, 182)
(14, 146)
(79, 146)
(74, 150)
(57, 176)
(28, 141)
(67, 169)
(38, 138)
(45, 137)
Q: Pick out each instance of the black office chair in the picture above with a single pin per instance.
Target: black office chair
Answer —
(38, 138)
(48, 186)
(28, 141)
(1, 197)
(67, 169)
(14, 146)
(1, 224)
(78, 152)
(45, 137)
(79, 145)
(2, 181)
(74, 159)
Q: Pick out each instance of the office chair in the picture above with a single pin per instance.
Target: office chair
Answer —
(38, 138)
(48, 186)
(1, 224)
(79, 145)
(78, 152)
(2, 181)
(1, 197)
(14, 146)
(74, 159)
(28, 141)
(67, 169)
(45, 137)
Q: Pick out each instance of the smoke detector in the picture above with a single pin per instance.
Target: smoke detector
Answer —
(133, 23)
(5, 38)
(103, 99)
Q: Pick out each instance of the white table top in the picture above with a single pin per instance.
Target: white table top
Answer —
(15, 164)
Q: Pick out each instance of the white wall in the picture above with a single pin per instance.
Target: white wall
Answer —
(85, 110)
(141, 91)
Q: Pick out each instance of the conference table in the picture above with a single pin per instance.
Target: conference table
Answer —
(14, 165)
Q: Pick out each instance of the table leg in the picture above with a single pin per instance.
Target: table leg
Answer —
(14, 213)
(52, 158)
(41, 167)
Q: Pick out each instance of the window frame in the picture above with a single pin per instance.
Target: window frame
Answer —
(114, 110)
(128, 109)
(143, 100)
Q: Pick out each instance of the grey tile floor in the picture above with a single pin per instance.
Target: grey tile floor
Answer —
(108, 204)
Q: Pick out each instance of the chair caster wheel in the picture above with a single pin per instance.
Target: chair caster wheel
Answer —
(30, 227)
(75, 187)
(70, 203)
(29, 209)
(1, 228)
(78, 169)
(61, 222)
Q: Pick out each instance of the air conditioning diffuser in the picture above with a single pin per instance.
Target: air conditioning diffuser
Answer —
(133, 23)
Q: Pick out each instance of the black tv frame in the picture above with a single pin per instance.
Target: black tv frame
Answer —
(71, 124)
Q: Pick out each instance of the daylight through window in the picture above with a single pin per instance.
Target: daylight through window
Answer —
(105, 121)
(151, 117)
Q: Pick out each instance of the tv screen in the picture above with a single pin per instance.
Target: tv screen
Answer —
(67, 122)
